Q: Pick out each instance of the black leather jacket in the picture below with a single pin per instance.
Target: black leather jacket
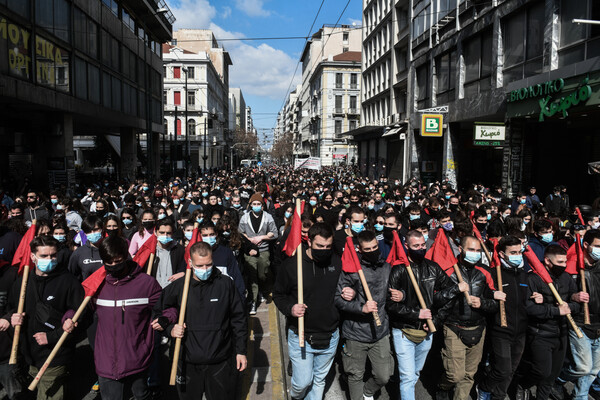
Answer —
(592, 279)
(436, 287)
(461, 313)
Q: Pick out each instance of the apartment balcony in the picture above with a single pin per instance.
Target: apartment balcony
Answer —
(354, 86)
(338, 111)
(353, 111)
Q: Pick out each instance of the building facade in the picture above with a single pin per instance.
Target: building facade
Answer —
(70, 68)
(237, 110)
(196, 95)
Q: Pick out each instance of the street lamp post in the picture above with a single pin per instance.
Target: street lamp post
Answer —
(187, 134)
(204, 157)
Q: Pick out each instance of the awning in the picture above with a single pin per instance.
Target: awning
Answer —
(391, 132)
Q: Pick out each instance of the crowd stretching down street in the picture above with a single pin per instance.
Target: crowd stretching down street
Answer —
(362, 269)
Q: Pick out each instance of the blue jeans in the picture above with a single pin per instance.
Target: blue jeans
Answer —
(584, 366)
(310, 367)
(411, 359)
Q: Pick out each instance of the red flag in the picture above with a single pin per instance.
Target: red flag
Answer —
(143, 254)
(575, 258)
(22, 256)
(193, 240)
(397, 254)
(441, 252)
(495, 258)
(295, 236)
(537, 266)
(488, 277)
(93, 282)
(350, 261)
(579, 215)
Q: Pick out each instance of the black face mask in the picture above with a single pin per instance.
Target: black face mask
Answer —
(112, 232)
(196, 199)
(100, 213)
(118, 270)
(371, 257)
(557, 270)
(327, 203)
(322, 256)
(148, 224)
(388, 234)
(453, 207)
(417, 255)
(481, 226)
(354, 203)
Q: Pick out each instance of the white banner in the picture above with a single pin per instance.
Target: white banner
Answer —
(490, 132)
(308, 163)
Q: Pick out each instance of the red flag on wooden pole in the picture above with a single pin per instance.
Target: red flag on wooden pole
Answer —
(295, 236)
(442, 253)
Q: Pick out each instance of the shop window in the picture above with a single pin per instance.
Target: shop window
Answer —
(478, 64)
(445, 66)
(578, 42)
(51, 65)
(523, 43)
(423, 86)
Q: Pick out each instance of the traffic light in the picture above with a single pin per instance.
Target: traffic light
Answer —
(258, 156)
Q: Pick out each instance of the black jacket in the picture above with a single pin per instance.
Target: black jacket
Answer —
(437, 290)
(464, 315)
(85, 261)
(357, 325)
(176, 253)
(592, 279)
(545, 319)
(215, 318)
(319, 290)
(514, 284)
(49, 301)
(7, 279)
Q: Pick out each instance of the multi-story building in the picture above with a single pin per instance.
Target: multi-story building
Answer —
(249, 120)
(237, 110)
(330, 94)
(287, 118)
(70, 68)
(193, 83)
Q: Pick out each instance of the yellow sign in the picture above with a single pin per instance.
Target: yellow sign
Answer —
(432, 125)
(17, 39)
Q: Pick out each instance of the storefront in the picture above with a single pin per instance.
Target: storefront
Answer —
(555, 132)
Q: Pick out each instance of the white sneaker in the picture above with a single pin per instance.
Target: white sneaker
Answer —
(365, 397)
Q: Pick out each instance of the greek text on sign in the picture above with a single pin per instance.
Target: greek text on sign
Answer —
(490, 132)
(432, 125)
(308, 163)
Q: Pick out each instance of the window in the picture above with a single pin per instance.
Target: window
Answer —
(423, 86)
(191, 72)
(523, 43)
(445, 66)
(345, 49)
(116, 93)
(421, 22)
(176, 72)
(352, 124)
(127, 20)
(578, 42)
(106, 86)
(191, 126)
(338, 105)
(345, 37)
(478, 64)
(338, 126)
(353, 81)
(112, 6)
(191, 97)
(178, 127)
(353, 109)
(338, 80)
(177, 98)
(54, 16)
(80, 78)
(93, 84)
(164, 97)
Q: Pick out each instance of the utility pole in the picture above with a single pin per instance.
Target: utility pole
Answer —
(174, 147)
(204, 157)
(187, 135)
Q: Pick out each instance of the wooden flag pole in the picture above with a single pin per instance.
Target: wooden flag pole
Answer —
(430, 324)
(586, 306)
(560, 301)
(503, 322)
(300, 284)
(460, 280)
(58, 345)
(15, 344)
(150, 263)
(361, 274)
(184, 300)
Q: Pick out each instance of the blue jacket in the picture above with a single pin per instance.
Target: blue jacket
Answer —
(539, 247)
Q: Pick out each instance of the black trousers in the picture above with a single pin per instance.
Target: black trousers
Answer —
(506, 355)
(216, 381)
(111, 389)
(542, 363)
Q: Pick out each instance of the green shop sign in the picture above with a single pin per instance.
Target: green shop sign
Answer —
(549, 98)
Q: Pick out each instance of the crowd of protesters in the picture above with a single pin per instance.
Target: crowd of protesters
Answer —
(498, 338)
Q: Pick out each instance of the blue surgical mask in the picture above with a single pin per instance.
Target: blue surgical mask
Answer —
(595, 253)
(176, 202)
(378, 227)
(358, 228)
(489, 216)
(515, 260)
(547, 237)
(448, 226)
(257, 209)
(127, 221)
(370, 206)
(161, 216)
(472, 257)
(46, 264)
(288, 214)
(59, 207)
(60, 238)
(414, 217)
(202, 274)
(406, 197)
(204, 194)
(145, 188)
(211, 240)
(426, 236)
(522, 201)
(312, 203)
(53, 201)
(93, 237)
(164, 239)
(188, 235)
(237, 205)
(447, 197)
(199, 220)
(227, 197)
